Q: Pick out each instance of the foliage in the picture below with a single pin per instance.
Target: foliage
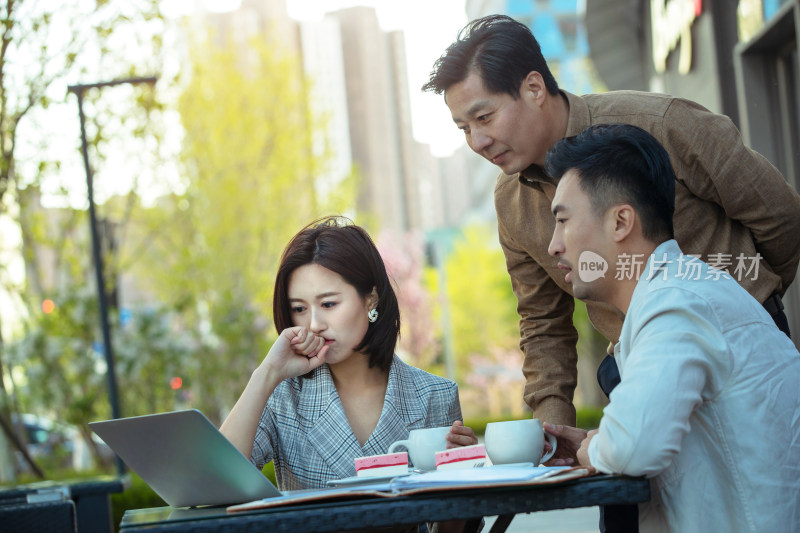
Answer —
(592, 347)
(207, 254)
(251, 178)
(485, 329)
(47, 45)
(149, 352)
(482, 304)
(477, 316)
(65, 371)
(588, 418)
(137, 495)
(269, 471)
(61, 367)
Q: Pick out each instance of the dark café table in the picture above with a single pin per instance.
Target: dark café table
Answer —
(340, 515)
(82, 504)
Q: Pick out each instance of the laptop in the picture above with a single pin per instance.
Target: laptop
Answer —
(185, 459)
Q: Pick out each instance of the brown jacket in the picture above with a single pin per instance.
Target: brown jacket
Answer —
(728, 200)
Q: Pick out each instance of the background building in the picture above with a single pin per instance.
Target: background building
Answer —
(321, 43)
(255, 17)
(376, 115)
(559, 27)
(360, 86)
(740, 62)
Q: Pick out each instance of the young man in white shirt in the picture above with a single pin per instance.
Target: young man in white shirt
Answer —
(708, 405)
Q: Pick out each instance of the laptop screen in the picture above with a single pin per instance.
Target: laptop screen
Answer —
(184, 458)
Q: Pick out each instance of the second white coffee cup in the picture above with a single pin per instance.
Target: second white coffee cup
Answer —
(518, 441)
(422, 445)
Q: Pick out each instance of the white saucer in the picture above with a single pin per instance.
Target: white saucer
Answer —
(355, 480)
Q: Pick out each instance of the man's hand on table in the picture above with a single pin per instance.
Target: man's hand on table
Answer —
(569, 441)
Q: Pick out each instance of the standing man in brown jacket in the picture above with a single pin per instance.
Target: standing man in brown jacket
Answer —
(733, 208)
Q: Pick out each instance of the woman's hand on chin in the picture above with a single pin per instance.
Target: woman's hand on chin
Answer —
(297, 351)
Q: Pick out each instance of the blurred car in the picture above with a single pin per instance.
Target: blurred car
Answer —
(58, 445)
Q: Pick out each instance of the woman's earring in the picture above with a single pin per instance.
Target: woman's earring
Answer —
(373, 315)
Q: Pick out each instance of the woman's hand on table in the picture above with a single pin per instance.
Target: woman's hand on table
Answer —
(460, 435)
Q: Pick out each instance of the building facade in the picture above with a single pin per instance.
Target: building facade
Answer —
(379, 117)
(321, 43)
(559, 27)
(737, 58)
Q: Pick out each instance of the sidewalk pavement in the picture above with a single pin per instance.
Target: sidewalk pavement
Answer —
(580, 520)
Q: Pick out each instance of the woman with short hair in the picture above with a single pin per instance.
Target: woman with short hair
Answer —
(331, 388)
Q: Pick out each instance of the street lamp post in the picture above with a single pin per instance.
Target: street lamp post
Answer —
(436, 257)
(108, 350)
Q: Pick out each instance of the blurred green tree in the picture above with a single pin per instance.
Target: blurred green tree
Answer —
(476, 315)
(44, 47)
(253, 178)
(482, 304)
(485, 329)
(61, 370)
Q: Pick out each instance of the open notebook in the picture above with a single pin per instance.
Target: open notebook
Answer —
(185, 459)
(435, 481)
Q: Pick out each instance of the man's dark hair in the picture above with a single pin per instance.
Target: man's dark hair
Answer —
(342, 247)
(620, 163)
(500, 49)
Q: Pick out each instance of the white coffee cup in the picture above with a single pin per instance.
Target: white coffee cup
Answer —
(517, 441)
(422, 445)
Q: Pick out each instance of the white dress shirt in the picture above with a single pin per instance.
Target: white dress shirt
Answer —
(708, 406)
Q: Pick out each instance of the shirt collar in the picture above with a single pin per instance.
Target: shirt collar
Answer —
(661, 256)
(579, 119)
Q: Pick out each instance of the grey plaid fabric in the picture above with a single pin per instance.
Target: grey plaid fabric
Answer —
(304, 428)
